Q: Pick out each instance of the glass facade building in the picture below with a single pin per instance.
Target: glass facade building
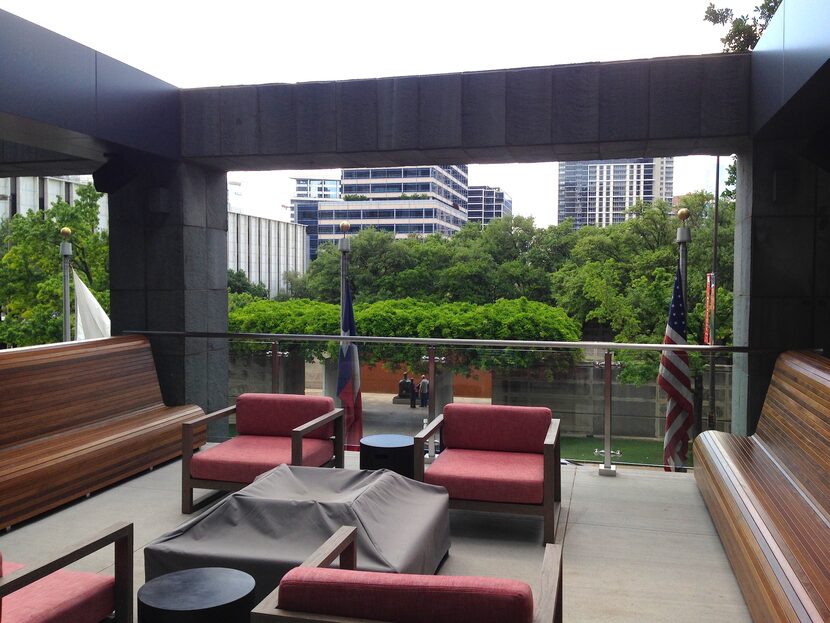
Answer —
(402, 200)
(484, 203)
(598, 192)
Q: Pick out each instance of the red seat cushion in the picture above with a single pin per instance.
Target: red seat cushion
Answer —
(61, 597)
(406, 598)
(495, 427)
(243, 458)
(483, 475)
(278, 414)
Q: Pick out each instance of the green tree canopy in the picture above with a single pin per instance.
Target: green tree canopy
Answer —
(30, 267)
(238, 283)
(744, 30)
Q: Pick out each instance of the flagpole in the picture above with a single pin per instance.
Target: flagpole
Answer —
(66, 254)
(713, 414)
(684, 236)
(345, 249)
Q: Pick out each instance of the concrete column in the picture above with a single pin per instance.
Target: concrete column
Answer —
(782, 258)
(168, 263)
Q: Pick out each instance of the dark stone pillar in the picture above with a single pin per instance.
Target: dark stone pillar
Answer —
(782, 290)
(168, 263)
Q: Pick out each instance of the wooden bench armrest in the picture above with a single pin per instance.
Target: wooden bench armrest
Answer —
(121, 534)
(418, 450)
(337, 416)
(547, 607)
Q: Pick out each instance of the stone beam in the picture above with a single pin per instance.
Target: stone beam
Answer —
(663, 106)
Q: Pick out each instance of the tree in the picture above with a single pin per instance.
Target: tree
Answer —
(744, 31)
(31, 292)
(239, 283)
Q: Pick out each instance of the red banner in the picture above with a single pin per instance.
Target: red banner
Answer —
(710, 309)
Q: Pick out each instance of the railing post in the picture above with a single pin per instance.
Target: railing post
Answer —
(606, 469)
(275, 367)
(432, 391)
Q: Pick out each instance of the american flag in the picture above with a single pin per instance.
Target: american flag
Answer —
(348, 375)
(675, 380)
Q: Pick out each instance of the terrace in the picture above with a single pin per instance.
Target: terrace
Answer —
(640, 546)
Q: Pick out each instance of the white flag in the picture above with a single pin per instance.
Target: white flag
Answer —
(91, 320)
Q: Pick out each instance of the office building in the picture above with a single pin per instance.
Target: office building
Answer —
(484, 203)
(598, 192)
(265, 249)
(310, 188)
(402, 200)
(19, 195)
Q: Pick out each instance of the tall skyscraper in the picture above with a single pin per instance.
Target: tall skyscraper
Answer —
(598, 192)
(484, 203)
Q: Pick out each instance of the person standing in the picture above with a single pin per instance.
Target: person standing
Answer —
(413, 393)
(423, 389)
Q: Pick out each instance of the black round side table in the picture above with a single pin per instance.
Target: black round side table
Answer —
(203, 595)
(393, 452)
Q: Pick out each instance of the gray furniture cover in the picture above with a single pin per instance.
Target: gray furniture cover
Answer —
(276, 522)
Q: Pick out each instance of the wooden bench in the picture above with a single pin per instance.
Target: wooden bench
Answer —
(769, 494)
(78, 416)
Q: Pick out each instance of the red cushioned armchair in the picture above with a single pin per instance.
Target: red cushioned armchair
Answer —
(48, 593)
(497, 458)
(272, 430)
(313, 592)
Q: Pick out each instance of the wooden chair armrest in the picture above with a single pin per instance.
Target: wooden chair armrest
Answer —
(338, 417)
(341, 543)
(209, 417)
(551, 464)
(548, 604)
(120, 533)
(418, 451)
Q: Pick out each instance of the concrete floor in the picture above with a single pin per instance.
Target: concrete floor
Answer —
(637, 547)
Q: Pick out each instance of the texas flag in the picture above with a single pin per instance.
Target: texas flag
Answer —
(348, 375)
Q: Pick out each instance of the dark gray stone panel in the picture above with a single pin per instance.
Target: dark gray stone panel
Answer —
(164, 257)
(724, 101)
(782, 257)
(217, 311)
(277, 119)
(823, 258)
(127, 256)
(196, 379)
(217, 259)
(822, 326)
(217, 370)
(128, 310)
(201, 128)
(398, 113)
(529, 106)
(216, 199)
(171, 371)
(165, 310)
(623, 101)
(576, 104)
(357, 115)
(439, 115)
(191, 195)
(316, 115)
(195, 255)
(674, 98)
(769, 331)
(239, 120)
(196, 311)
(483, 108)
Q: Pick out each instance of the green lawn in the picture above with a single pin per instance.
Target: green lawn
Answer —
(647, 451)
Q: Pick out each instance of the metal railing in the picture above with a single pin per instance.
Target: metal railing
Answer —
(432, 345)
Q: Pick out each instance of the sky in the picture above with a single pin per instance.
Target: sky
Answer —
(196, 43)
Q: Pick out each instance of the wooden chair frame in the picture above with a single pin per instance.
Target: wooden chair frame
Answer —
(222, 486)
(552, 487)
(547, 606)
(121, 534)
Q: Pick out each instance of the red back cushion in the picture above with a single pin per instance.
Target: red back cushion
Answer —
(278, 414)
(406, 598)
(500, 428)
